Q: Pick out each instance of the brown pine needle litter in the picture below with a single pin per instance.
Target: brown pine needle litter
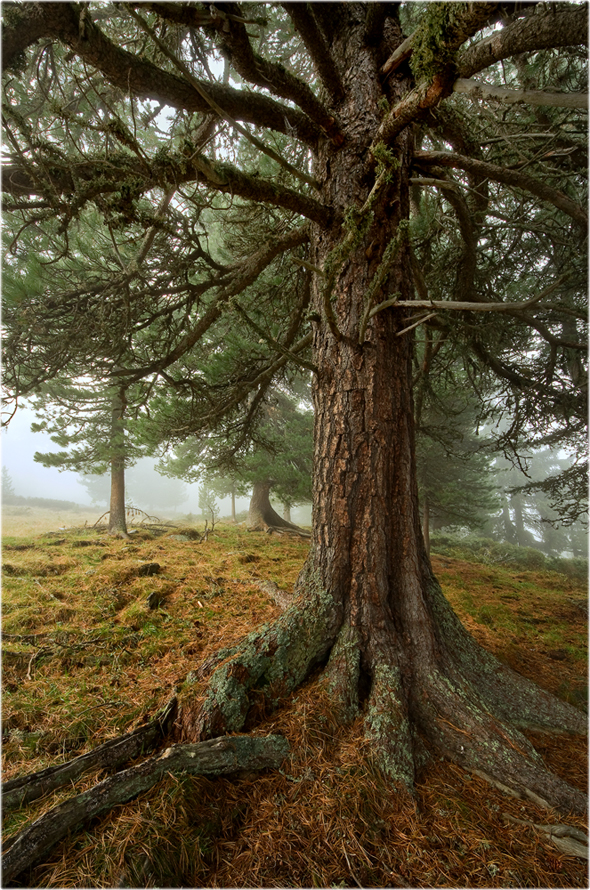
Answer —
(85, 659)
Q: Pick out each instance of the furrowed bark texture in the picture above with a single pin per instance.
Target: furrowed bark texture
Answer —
(371, 609)
(368, 608)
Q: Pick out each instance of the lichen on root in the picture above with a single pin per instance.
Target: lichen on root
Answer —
(268, 664)
(460, 702)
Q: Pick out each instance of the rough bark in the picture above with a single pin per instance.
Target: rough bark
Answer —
(216, 757)
(370, 608)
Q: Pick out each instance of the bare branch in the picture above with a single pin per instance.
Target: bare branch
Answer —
(476, 90)
(399, 56)
(509, 177)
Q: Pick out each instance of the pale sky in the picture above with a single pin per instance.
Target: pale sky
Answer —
(32, 479)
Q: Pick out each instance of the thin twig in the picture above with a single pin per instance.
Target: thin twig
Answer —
(416, 323)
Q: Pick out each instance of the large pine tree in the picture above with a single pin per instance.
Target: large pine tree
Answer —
(324, 139)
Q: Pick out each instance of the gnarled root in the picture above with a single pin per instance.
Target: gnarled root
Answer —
(110, 755)
(459, 725)
(215, 757)
(266, 666)
(447, 701)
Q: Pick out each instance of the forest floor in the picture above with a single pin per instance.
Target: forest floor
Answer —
(85, 658)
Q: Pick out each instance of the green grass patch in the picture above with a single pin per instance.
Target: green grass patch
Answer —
(86, 659)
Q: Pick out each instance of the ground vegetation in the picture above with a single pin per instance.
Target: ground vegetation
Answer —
(78, 628)
(394, 224)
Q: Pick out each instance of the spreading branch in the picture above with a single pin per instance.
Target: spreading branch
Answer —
(558, 25)
(317, 48)
(244, 275)
(205, 93)
(428, 93)
(234, 42)
(98, 176)
(509, 177)
(141, 77)
(474, 89)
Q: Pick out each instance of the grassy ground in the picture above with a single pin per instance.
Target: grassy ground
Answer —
(85, 658)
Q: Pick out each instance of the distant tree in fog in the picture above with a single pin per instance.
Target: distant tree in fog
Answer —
(145, 487)
(8, 491)
(277, 458)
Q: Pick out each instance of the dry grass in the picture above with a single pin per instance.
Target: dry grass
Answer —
(88, 659)
(23, 521)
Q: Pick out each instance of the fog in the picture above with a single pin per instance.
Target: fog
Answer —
(32, 479)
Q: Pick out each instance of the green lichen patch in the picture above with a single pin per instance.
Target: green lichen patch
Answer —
(431, 55)
(387, 727)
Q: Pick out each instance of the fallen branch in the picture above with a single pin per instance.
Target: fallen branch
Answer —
(24, 789)
(215, 757)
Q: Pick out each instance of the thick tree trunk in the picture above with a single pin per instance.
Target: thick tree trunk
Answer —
(262, 515)
(117, 515)
(370, 606)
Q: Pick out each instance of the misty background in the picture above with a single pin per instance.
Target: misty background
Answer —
(32, 479)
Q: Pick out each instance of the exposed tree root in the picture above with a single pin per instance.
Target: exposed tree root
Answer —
(111, 755)
(463, 703)
(453, 699)
(506, 693)
(266, 666)
(567, 838)
(293, 530)
(215, 757)
(282, 598)
(458, 724)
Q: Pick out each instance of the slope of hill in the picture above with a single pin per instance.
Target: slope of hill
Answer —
(93, 646)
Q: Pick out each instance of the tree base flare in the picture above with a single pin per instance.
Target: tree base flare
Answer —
(411, 710)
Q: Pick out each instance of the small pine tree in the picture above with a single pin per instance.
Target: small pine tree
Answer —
(8, 492)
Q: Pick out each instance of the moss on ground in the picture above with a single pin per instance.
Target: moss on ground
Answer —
(85, 659)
